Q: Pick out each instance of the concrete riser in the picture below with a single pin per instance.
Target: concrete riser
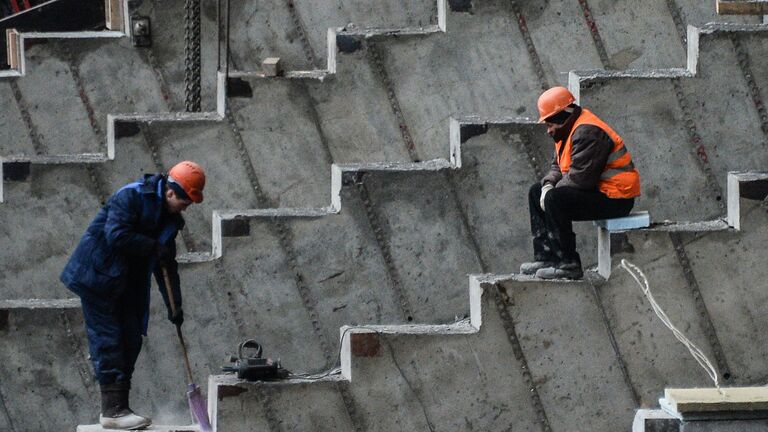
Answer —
(404, 242)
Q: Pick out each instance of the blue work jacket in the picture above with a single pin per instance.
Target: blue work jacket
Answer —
(121, 241)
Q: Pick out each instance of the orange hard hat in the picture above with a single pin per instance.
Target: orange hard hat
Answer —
(553, 101)
(191, 177)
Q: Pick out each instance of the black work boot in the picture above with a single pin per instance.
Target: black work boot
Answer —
(570, 269)
(115, 413)
(529, 268)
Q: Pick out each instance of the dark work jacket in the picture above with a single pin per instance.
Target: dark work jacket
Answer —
(116, 255)
(591, 147)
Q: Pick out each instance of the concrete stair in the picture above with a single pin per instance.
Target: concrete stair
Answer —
(545, 346)
(117, 23)
(153, 428)
(68, 85)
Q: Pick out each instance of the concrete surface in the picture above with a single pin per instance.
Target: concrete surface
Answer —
(725, 426)
(153, 428)
(403, 242)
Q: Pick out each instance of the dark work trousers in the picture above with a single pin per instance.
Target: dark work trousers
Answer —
(114, 336)
(553, 237)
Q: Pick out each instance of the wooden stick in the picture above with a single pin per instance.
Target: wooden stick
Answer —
(172, 301)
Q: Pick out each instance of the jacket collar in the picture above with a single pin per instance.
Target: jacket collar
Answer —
(153, 184)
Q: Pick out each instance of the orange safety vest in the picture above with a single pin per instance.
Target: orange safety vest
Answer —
(619, 179)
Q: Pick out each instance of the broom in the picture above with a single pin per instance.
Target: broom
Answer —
(197, 404)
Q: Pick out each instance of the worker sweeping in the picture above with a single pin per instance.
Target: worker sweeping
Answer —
(592, 176)
(132, 237)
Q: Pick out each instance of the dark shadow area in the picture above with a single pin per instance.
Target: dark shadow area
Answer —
(48, 16)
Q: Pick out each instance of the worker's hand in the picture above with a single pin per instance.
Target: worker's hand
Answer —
(177, 319)
(163, 254)
(544, 189)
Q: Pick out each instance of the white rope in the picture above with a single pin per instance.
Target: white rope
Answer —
(697, 354)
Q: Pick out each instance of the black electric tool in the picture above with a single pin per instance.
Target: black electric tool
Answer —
(250, 366)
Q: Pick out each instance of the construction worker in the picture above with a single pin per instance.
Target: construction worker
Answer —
(131, 237)
(591, 177)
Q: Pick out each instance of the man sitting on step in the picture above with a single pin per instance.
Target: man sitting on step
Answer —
(592, 176)
(131, 237)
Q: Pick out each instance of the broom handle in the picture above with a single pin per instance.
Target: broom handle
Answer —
(172, 301)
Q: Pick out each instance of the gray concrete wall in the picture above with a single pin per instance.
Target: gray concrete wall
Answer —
(725, 426)
(403, 242)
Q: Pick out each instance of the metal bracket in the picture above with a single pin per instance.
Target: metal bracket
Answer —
(141, 31)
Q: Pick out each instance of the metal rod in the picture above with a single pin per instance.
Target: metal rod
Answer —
(218, 35)
(226, 51)
(172, 301)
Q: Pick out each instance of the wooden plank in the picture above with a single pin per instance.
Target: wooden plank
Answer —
(707, 400)
(748, 7)
(114, 14)
(12, 42)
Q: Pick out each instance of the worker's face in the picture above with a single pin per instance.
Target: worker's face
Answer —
(552, 128)
(174, 203)
(557, 130)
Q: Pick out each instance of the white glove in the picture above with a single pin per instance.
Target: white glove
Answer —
(544, 189)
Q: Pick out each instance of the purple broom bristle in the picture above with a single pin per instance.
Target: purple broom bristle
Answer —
(198, 407)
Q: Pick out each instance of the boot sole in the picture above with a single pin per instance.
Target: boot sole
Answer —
(139, 426)
(560, 276)
(533, 272)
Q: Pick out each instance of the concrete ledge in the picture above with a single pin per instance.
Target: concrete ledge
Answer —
(703, 226)
(231, 380)
(742, 7)
(80, 158)
(726, 426)
(732, 220)
(355, 32)
(223, 387)
(319, 75)
(153, 428)
(711, 403)
(585, 77)
(73, 303)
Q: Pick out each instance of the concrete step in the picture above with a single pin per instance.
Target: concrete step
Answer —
(388, 366)
(725, 426)
(212, 304)
(740, 184)
(152, 428)
(309, 22)
(707, 289)
(683, 114)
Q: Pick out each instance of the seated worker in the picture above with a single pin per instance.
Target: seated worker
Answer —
(592, 176)
(131, 237)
